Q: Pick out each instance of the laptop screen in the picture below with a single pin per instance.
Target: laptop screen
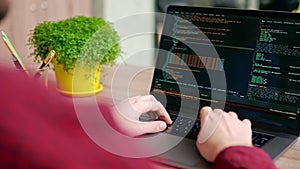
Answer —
(245, 61)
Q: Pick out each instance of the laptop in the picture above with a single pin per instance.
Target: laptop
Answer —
(247, 61)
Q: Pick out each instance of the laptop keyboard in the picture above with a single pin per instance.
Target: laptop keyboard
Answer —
(184, 127)
(260, 139)
(189, 128)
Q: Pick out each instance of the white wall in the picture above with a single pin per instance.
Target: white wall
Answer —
(135, 25)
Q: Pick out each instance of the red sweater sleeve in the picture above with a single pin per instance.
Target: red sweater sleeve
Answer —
(39, 129)
(243, 157)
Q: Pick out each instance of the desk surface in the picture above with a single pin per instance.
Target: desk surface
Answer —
(124, 81)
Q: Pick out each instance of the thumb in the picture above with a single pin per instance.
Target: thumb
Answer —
(153, 127)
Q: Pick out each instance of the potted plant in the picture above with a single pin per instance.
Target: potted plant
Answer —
(82, 45)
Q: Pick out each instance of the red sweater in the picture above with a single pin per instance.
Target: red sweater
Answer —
(40, 129)
(241, 157)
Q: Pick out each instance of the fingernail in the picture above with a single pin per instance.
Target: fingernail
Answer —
(162, 126)
(168, 125)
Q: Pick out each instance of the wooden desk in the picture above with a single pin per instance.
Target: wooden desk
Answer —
(116, 86)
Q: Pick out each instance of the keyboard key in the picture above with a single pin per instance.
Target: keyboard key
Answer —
(260, 139)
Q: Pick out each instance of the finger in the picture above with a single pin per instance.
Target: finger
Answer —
(163, 114)
(209, 123)
(233, 114)
(150, 104)
(247, 122)
(153, 115)
(141, 104)
(151, 127)
(204, 114)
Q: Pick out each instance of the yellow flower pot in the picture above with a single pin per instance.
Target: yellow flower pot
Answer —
(79, 81)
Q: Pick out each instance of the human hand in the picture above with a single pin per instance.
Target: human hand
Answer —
(220, 130)
(127, 113)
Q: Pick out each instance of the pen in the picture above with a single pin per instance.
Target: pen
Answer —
(45, 63)
(16, 58)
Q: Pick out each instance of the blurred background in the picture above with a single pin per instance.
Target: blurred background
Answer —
(139, 49)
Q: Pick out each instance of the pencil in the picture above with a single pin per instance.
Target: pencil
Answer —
(16, 58)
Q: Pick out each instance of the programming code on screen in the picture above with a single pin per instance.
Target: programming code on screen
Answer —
(260, 57)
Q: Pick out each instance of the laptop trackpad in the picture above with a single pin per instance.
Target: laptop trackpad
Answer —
(186, 155)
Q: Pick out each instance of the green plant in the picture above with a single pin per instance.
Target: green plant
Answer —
(88, 39)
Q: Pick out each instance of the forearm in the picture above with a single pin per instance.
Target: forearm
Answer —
(243, 157)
